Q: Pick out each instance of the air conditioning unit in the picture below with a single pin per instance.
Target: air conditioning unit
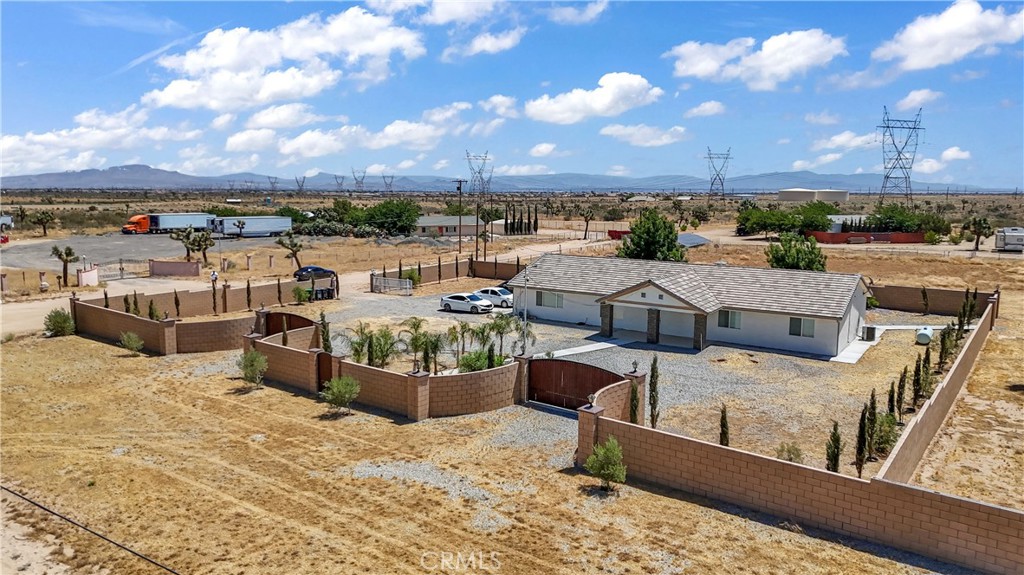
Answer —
(868, 333)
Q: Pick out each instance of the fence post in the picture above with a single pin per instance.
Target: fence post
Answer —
(120, 266)
(248, 262)
(456, 267)
(587, 420)
(271, 261)
(438, 269)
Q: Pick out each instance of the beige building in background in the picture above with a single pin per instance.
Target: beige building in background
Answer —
(805, 195)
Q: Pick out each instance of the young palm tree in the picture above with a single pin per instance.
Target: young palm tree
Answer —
(529, 335)
(414, 334)
(502, 325)
(452, 338)
(480, 334)
(433, 345)
(385, 347)
(465, 334)
(358, 341)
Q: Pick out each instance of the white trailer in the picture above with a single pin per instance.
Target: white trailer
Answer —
(6, 222)
(254, 226)
(1010, 239)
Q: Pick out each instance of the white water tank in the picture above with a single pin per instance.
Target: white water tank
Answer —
(924, 335)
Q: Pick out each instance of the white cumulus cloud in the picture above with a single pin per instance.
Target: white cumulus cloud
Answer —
(931, 165)
(846, 140)
(917, 98)
(222, 121)
(819, 161)
(955, 153)
(284, 116)
(444, 12)
(962, 29)
(486, 128)
(488, 43)
(251, 140)
(780, 58)
(644, 136)
(709, 108)
(523, 170)
(441, 164)
(823, 118)
(617, 170)
(573, 16)
(616, 93)
(542, 149)
(504, 106)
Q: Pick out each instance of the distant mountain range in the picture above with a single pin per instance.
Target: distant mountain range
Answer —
(145, 177)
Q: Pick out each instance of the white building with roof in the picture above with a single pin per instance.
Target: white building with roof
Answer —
(817, 313)
(448, 226)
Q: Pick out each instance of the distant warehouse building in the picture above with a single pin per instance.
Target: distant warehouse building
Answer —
(448, 226)
(805, 195)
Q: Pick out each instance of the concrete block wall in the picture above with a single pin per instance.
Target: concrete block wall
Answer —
(614, 399)
(377, 387)
(199, 303)
(303, 338)
(292, 367)
(473, 392)
(969, 533)
(495, 269)
(941, 301)
(217, 335)
(914, 441)
(174, 268)
(110, 323)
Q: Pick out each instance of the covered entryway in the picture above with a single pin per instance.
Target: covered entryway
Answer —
(650, 313)
(566, 384)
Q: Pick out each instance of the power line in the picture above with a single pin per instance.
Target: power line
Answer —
(80, 526)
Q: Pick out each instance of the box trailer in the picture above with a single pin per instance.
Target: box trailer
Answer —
(254, 226)
(1010, 239)
(166, 223)
(6, 222)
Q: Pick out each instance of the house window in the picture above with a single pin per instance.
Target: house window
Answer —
(801, 327)
(549, 299)
(729, 319)
(661, 296)
(643, 294)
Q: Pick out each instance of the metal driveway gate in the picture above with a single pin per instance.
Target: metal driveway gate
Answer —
(566, 384)
(123, 269)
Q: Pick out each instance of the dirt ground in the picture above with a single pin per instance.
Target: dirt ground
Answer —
(170, 459)
(979, 451)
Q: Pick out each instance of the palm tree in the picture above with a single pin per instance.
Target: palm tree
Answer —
(502, 325)
(524, 336)
(385, 347)
(358, 340)
(465, 334)
(66, 256)
(415, 333)
(433, 345)
(481, 334)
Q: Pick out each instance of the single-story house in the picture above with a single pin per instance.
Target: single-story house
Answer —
(448, 226)
(694, 305)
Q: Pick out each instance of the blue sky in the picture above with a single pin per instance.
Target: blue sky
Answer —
(627, 88)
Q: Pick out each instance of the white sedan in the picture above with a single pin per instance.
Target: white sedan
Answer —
(466, 302)
(498, 296)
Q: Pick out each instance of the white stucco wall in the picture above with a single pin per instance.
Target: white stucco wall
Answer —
(772, 331)
(651, 300)
(678, 323)
(575, 307)
(855, 314)
(631, 318)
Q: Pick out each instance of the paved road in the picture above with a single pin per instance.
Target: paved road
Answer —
(109, 248)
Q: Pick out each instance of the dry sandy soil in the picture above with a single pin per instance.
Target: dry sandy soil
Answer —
(979, 451)
(172, 460)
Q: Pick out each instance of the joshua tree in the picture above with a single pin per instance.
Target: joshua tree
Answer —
(43, 219)
(293, 246)
(202, 241)
(66, 256)
(240, 224)
(978, 226)
(588, 215)
(185, 237)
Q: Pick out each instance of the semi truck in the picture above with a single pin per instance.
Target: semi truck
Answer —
(254, 226)
(1010, 239)
(166, 223)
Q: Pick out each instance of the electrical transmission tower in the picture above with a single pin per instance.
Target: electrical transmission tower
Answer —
(359, 176)
(389, 182)
(718, 163)
(899, 146)
(479, 183)
(340, 182)
(273, 183)
(300, 183)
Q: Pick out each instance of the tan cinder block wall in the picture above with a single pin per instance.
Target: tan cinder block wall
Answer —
(303, 338)
(948, 528)
(110, 323)
(941, 301)
(173, 268)
(378, 387)
(908, 451)
(197, 303)
(614, 400)
(292, 367)
(217, 335)
(473, 392)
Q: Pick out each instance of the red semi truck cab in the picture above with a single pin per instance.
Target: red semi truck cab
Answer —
(136, 225)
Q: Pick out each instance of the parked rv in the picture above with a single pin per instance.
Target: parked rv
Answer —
(254, 226)
(1010, 239)
(6, 222)
(166, 223)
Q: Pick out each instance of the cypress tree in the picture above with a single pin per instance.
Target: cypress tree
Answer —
(135, 304)
(426, 359)
(419, 270)
(926, 366)
(284, 331)
(127, 304)
(871, 423)
(491, 359)
(106, 300)
(901, 394)
(529, 218)
(833, 449)
(248, 295)
(152, 312)
(370, 346)
(634, 403)
(924, 299)
(325, 334)
(536, 220)
(892, 398)
(862, 441)
(280, 301)
(652, 392)
(917, 383)
(723, 427)
(400, 264)
(943, 347)
(506, 219)
(177, 304)
(213, 292)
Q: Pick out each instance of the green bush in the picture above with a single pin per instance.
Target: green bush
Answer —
(412, 275)
(886, 434)
(253, 365)
(477, 361)
(59, 323)
(968, 236)
(955, 239)
(872, 302)
(340, 392)
(300, 294)
(789, 452)
(932, 238)
(132, 342)
(606, 463)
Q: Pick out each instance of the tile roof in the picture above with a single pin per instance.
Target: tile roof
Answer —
(707, 287)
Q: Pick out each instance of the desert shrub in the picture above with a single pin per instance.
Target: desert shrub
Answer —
(413, 276)
(340, 392)
(872, 302)
(968, 236)
(477, 361)
(253, 365)
(59, 323)
(955, 239)
(886, 434)
(606, 463)
(789, 452)
(932, 238)
(132, 342)
(300, 294)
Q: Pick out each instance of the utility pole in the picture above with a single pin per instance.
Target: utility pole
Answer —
(476, 250)
(458, 185)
